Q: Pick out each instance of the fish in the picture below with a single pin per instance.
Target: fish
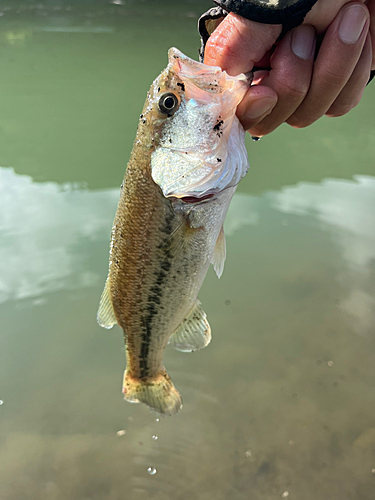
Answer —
(188, 156)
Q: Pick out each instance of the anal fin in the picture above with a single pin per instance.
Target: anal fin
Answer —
(194, 332)
(106, 315)
(219, 254)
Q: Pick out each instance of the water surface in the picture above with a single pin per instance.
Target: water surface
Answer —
(281, 404)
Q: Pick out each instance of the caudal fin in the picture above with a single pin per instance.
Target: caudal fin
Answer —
(157, 392)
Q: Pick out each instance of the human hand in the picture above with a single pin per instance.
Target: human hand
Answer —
(298, 89)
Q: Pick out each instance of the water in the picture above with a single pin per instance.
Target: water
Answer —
(282, 401)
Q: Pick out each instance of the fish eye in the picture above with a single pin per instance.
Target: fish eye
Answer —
(168, 103)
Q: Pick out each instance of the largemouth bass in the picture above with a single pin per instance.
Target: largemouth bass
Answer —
(188, 157)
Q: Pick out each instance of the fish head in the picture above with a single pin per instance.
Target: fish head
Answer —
(199, 148)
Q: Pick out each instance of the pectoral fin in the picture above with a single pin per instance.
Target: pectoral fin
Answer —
(219, 254)
(106, 315)
(194, 332)
(182, 235)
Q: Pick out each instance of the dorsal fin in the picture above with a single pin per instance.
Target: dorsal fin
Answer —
(193, 333)
(218, 257)
(106, 315)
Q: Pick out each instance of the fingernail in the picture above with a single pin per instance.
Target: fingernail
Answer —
(259, 108)
(303, 42)
(352, 23)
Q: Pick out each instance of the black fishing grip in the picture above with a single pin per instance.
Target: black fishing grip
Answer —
(283, 12)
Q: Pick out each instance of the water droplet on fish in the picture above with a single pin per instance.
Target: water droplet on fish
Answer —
(151, 471)
(120, 433)
(1, 402)
(285, 494)
(155, 437)
(248, 453)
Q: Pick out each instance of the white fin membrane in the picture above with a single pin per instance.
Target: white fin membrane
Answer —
(218, 257)
(194, 333)
(106, 315)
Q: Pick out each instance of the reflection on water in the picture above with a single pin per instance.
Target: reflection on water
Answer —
(345, 207)
(42, 227)
(347, 211)
(280, 404)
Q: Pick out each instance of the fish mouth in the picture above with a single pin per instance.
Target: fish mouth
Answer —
(193, 199)
(211, 79)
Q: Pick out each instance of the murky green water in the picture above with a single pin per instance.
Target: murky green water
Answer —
(281, 404)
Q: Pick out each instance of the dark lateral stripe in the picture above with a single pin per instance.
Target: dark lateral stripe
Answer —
(154, 297)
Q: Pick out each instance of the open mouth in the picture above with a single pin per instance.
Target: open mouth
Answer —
(193, 199)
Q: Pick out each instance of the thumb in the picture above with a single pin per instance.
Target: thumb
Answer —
(237, 43)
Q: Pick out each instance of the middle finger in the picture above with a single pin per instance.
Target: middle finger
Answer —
(289, 77)
(337, 57)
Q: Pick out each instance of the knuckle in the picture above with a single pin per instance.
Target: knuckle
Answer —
(291, 88)
(333, 78)
(296, 122)
(342, 106)
(339, 109)
(260, 130)
(216, 45)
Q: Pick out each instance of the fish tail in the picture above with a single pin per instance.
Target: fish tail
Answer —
(157, 392)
